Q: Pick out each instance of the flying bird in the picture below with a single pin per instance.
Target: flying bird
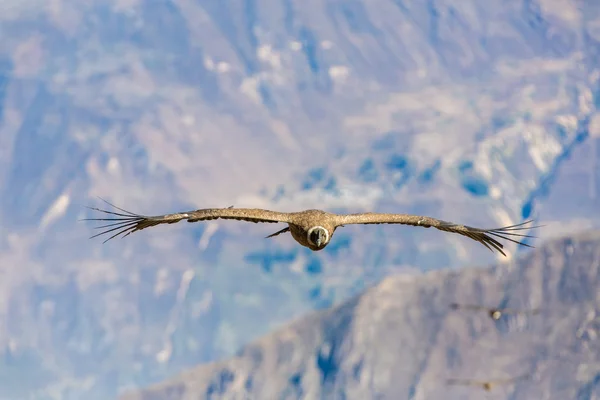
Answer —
(486, 385)
(311, 228)
(494, 313)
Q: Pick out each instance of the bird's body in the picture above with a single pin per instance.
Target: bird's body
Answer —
(310, 228)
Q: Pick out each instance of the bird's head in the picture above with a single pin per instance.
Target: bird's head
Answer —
(318, 237)
(495, 314)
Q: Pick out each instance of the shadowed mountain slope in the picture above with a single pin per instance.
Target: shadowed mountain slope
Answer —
(401, 340)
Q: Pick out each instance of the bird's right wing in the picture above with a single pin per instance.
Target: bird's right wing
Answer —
(466, 382)
(125, 222)
(457, 306)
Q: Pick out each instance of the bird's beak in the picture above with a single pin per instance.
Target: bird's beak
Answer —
(320, 239)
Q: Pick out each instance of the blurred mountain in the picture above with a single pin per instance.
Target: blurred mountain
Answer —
(401, 340)
(477, 112)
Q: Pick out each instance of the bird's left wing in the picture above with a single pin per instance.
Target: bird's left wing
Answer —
(513, 379)
(125, 222)
(531, 311)
(506, 381)
(483, 236)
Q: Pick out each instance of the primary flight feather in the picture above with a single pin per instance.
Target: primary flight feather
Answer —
(311, 228)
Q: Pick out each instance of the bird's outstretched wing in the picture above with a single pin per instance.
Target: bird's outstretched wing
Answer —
(466, 382)
(474, 307)
(512, 379)
(125, 223)
(487, 385)
(483, 236)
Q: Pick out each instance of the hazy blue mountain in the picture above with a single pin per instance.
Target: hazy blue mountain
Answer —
(401, 340)
(476, 112)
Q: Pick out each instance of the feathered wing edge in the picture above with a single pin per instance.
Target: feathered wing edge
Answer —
(125, 223)
(484, 236)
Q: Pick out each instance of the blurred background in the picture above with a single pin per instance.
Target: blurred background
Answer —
(478, 112)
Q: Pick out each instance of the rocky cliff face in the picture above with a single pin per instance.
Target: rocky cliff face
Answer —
(400, 339)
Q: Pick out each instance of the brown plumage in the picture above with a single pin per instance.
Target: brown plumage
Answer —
(494, 313)
(311, 228)
(486, 385)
